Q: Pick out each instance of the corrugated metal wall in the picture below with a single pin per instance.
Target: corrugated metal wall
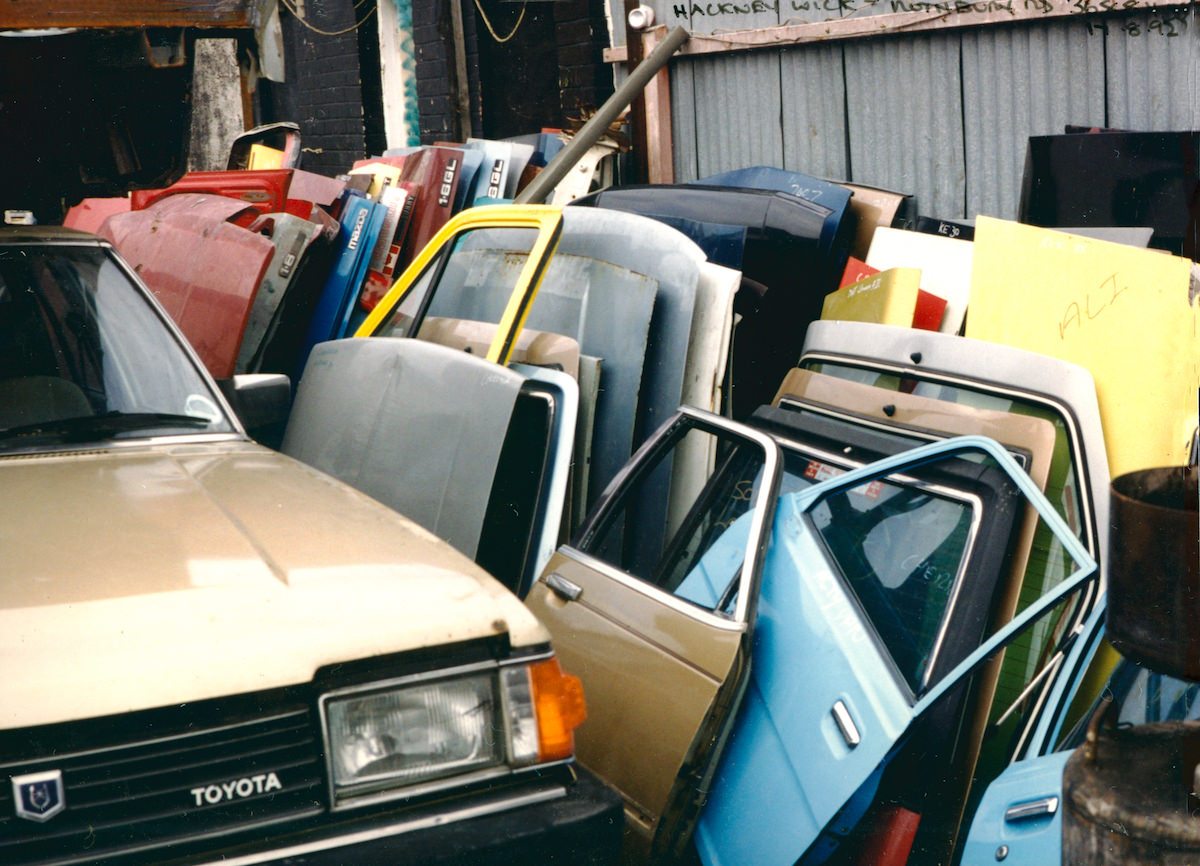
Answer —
(942, 114)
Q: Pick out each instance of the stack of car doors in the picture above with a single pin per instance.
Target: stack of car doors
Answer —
(828, 573)
(650, 315)
(476, 428)
(790, 249)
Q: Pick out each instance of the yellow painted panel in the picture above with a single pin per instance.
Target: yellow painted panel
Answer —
(1123, 313)
(263, 157)
(382, 175)
(886, 298)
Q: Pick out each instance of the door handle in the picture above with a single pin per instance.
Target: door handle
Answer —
(1032, 809)
(845, 724)
(565, 589)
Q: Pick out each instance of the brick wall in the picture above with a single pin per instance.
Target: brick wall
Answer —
(585, 80)
(323, 92)
(576, 26)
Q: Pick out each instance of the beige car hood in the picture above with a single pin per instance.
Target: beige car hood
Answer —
(141, 578)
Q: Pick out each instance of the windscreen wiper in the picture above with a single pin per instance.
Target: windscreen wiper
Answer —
(85, 428)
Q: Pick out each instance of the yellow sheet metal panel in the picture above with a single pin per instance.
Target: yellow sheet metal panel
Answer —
(886, 298)
(1125, 314)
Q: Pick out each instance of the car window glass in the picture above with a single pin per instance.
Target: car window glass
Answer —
(696, 551)
(399, 321)
(901, 549)
(481, 270)
(1049, 563)
(481, 273)
(78, 340)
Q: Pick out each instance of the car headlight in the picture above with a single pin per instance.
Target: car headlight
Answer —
(420, 733)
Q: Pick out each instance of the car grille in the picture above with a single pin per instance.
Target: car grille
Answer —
(134, 786)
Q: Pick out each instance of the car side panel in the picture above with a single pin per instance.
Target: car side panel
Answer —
(624, 641)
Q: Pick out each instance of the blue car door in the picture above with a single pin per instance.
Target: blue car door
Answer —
(1019, 818)
(860, 603)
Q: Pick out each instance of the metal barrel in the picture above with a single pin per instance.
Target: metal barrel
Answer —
(1126, 801)
(1153, 614)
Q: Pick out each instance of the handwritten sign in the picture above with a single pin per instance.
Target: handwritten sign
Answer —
(1123, 313)
(720, 26)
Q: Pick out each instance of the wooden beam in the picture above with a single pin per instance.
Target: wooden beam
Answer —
(460, 89)
(922, 15)
(22, 14)
(660, 156)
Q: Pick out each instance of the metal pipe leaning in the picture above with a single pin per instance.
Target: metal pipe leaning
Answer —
(598, 123)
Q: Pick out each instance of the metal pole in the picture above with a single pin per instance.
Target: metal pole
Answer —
(548, 178)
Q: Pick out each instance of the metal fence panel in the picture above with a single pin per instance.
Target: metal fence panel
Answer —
(1019, 81)
(737, 100)
(1152, 70)
(814, 110)
(905, 118)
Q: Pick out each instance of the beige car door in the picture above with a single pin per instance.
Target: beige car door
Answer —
(657, 621)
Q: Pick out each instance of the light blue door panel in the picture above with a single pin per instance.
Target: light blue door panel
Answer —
(1019, 819)
(825, 704)
(790, 767)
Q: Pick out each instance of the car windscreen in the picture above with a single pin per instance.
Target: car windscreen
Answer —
(85, 357)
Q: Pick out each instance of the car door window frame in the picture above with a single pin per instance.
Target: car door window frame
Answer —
(1084, 572)
(546, 221)
(644, 461)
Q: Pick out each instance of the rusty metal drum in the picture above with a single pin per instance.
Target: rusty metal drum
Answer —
(1153, 614)
(1126, 798)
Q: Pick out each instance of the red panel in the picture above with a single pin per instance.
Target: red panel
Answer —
(207, 206)
(203, 270)
(929, 311)
(435, 170)
(266, 191)
(890, 841)
(856, 270)
(90, 214)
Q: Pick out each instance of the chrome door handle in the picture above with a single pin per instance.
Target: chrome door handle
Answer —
(1031, 809)
(845, 724)
(565, 589)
